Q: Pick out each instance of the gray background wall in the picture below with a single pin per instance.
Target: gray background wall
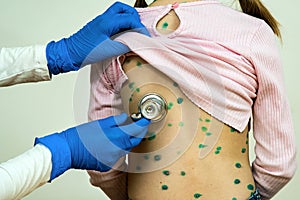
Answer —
(31, 110)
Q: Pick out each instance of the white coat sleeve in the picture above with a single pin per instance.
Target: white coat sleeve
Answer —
(24, 173)
(23, 64)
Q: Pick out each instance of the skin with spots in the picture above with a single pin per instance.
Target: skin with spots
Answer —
(227, 163)
(176, 179)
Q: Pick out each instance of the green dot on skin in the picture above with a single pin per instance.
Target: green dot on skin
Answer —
(175, 84)
(164, 187)
(179, 100)
(137, 89)
(166, 172)
(232, 130)
(237, 181)
(165, 25)
(170, 105)
(200, 120)
(139, 64)
(157, 157)
(204, 128)
(207, 120)
(131, 85)
(208, 134)
(250, 187)
(152, 137)
(217, 152)
(201, 146)
(243, 150)
(197, 195)
(182, 173)
(181, 124)
(234, 198)
(146, 157)
(238, 165)
(219, 148)
(138, 168)
(169, 125)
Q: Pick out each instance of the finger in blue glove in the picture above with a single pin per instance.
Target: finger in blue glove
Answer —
(74, 52)
(96, 145)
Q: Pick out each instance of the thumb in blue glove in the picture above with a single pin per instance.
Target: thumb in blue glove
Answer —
(71, 53)
(96, 145)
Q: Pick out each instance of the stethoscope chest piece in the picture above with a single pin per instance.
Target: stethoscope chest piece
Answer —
(152, 106)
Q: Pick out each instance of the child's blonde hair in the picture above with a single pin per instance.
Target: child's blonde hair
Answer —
(254, 8)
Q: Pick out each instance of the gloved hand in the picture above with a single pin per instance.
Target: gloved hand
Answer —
(93, 42)
(96, 145)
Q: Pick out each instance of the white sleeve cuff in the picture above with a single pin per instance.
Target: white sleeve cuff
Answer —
(23, 64)
(24, 173)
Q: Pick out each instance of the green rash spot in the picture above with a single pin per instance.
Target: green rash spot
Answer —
(152, 137)
(243, 150)
(166, 172)
(197, 195)
(138, 168)
(218, 149)
(130, 99)
(181, 124)
(201, 146)
(146, 157)
(200, 120)
(237, 181)
(175, 84)
(131, 85)
(238, 165)
(207, 120)
(208, 134)
(246, 141)
(178, 152)
(250, 187)
(170, 105)
(164, 187)
(234, 198)
(139, 64)
(203, 128)
(157, 157)
(179, 100)
(169, 125)
(165, 25)
(232, 130)
(137, 90)
(182, 173)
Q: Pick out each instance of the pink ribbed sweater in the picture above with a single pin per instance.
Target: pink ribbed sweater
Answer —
(228, 64)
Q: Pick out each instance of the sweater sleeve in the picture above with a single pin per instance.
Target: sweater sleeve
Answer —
(275, 148)
(106, 80)
(23, 174)
(23, 64)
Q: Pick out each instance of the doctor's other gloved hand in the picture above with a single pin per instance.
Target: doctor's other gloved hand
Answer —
(93, 43)
(96, 145)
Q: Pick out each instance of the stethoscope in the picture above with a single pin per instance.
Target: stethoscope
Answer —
(151, 106)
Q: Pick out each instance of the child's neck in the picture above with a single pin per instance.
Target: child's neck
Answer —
(166, 2)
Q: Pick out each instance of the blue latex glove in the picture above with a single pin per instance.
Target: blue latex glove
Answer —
(93, 42)
(96, 145)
